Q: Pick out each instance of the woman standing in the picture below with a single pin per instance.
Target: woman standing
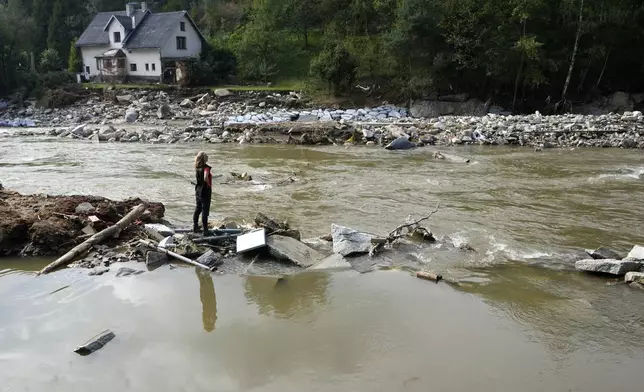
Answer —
(203, 192)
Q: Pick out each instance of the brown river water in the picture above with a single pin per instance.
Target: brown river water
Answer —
(520, 319)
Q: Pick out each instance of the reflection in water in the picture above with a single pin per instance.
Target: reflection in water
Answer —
(208, 299)
(286, 297)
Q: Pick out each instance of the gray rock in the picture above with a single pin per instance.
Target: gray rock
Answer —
(85, 208)
(210, 259)
(131, 115)
(402, 143)
(637, 253)
(124, 271)
(222, 92)
(307, 118)
(608, 266)
(637, 277)
(603, 253)
(204, 100)
(95, 343)
(287, 248)
(348, 241)
(187, 104)
(127, 99)
(98, 271)
(164, 111)
(154, 259)
(333, 262)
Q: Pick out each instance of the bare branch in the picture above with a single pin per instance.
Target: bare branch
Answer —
(396, 232)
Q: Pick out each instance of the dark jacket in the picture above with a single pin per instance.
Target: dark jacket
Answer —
(204, 180)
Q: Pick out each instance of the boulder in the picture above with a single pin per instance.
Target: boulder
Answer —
(131, 115)
(608, 266)
(637, 277)
(222, 92)
(637, 253)
(402, 143)
(124, 99)
(210, 259)
(619, 102)
(603, 253)
(348, 241)
(154, 259)
(85, 208)
(333, 262)
(287, 248)
(187, 104)
(307, 118)
(472, 107)
(164, 111)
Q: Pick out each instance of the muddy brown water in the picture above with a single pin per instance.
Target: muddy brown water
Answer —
(520, 319)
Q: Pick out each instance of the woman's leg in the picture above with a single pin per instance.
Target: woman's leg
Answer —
(195, 216)
(206, 211)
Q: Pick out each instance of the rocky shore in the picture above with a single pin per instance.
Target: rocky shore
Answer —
(255, 117)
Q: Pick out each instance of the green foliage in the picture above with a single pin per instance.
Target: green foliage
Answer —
(50, 61)
(214, 66)
(336, 67)
(75, 62)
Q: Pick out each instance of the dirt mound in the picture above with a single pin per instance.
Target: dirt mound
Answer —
(33, 225)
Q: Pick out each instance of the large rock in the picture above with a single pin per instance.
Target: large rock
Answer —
(164, 111)
(187, 104)
(348, 241)
(637, 277)
(402, 143)
(287, 248)
(603, 253)
(637, 253)
(307, 118)
(154, 259)
(472, 107)
(85, 208)
(210, 259)
(131, 115)
(125, 99)
(333, 262)
(222, 92)
(608, 266)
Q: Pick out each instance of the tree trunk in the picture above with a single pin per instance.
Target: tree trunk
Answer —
(574, 52)
(95, 239)
(601, 74)
(520, 71)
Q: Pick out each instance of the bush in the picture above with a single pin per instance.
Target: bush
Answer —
(50, 61)
(336, 67)
(75, 62)
(215, 66)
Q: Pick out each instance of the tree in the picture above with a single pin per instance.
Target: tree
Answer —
(50, 61)
(15, 39)
(75, 62)
(335, 66)
(57, 34)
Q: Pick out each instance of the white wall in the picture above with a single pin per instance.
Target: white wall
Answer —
(89, 57)
(140, 57)
(193, 42)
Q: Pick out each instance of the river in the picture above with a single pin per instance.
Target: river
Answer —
(521, 319)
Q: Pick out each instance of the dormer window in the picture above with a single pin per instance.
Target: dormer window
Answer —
(182, 26)
(117, 36)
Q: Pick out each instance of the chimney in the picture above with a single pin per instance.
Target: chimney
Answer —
(144, 6)
(129, 9)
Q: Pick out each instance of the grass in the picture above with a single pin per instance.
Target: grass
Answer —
(283, 85)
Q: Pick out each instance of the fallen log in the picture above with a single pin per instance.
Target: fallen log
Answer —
(429, 276)
(95, 239)
(151, 245)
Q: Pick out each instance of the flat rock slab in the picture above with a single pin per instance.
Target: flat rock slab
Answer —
(287, 248)
(348, 241)
(604, 253)
(154, 259)
(608, 266)
(637, 277)
(333, 262)
(637, 253)
(95, 343)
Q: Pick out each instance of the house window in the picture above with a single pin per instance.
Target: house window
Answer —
(120, 63)
(182, 25)
(154, 67)
(117, 36)
(181, 43)
(133, 67)
(87, 69)
(147, 66)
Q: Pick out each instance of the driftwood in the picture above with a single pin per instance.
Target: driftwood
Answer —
(97, 238)
(412, 227)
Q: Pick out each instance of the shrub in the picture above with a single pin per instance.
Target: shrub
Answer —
(336, 67)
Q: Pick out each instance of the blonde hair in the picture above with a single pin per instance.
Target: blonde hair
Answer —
(201, 159)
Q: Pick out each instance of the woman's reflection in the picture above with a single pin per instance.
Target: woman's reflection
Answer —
(208, 299)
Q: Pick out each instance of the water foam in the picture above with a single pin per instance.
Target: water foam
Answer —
(626, 173)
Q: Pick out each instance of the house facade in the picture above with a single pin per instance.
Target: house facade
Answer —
(137, 44)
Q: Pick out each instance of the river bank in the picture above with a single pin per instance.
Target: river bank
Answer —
(273, 118)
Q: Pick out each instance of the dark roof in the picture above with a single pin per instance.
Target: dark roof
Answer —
(151, 31)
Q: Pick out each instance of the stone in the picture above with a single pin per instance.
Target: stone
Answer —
(637, 253)
(85, 208)
(124, 271)
(95, 343)
(222, 92)
(79, 130)
(347, 241)
(204, 100)
(131, 115)
(628, 143)
(211, 108)
(262, 104)
(210, 259)
(158, 231)
(333, 262)
(603, 253)
(154, 259)
(608, 266)
(187, 104)
(98, 271)
(307, 118)
(164, 111)
(287, 248)
(402, 143)
(124, 99)
(637, 277)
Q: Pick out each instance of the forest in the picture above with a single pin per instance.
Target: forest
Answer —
(517, 51)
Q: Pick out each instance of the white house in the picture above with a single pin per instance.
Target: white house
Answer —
(137, 44)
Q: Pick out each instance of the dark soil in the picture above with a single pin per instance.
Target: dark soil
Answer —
(40, 225)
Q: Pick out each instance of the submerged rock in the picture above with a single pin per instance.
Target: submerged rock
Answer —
(603, 253)
(637, 253)
(154, 259)
(287, 248)
(124, 271)
(402, 143)
(637, 277)
(348, 241)
(210, 259)
(608, 266)
(333, 262)
(95, 343)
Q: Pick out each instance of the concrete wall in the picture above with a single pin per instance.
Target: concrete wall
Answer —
(193, 42)
(141, 57)
(89, 57)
